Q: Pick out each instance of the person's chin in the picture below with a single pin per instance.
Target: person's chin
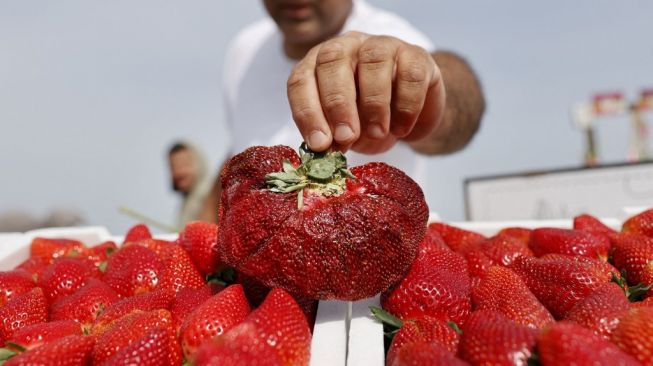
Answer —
(302, 32)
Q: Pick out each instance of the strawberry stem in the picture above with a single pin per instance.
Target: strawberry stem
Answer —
(386, 318)
(323, 172)
(633, 293)
(6, 354)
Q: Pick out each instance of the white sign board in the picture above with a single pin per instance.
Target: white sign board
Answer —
(602, 191)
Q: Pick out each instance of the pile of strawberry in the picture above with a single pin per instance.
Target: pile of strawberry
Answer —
(546, 296)
(149, 302)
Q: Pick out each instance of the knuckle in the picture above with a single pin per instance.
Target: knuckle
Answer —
(304, 114)
(335, 100)
(374, 103)
(412, 72)
(372, 52)
(298, 77)
(331, 52)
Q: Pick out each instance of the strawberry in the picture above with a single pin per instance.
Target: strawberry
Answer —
(634, 334)
(235, 354)
(278, 324)
(566, 343)
(212, 318)
(432, 239)
(39, 334)
(149, 350)
(459, 240)
(519, 233)
(490, 339)
(14, 283)
(137, 232)
(179, 271)
(570, 242)
(65, 276)
(85, 305)
(600, 310)
(74, 350)
(560, 281)
(423, 330)
(590, 223)
(316, 231)
(130, 329)
(100, 253)
(502, 250)
(156, 245)
(425, 353)
(134, 270)
(50, 249)
(648, 302)
(504, 291)
(640, 224)
(21, 311)
(155, 300)
(35, 266)
(477, 265)
(437, 285)
(200, 239)
(633, 253)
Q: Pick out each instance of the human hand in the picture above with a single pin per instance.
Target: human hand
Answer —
(365, 92)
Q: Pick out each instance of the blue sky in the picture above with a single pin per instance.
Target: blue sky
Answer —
(92, 93)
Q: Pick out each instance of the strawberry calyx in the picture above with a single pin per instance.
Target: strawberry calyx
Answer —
(323, 173)
(633, 293)
(6, 354)
(391, 324)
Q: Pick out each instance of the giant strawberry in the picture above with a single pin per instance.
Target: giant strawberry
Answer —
(570, 242)
(14, 283)
(634, 334)
(633, 253)
(316, 229)
(601, 310)
(640, 224)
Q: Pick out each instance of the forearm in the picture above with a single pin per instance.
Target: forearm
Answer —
(463, 109)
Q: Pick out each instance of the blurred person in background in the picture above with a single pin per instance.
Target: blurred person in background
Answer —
(189, 177)
(351, 77)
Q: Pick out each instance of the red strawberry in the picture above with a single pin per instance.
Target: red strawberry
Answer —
(149, 350)
(85, 305)
(212, 318)
(278, 324)
(559, 281)
(504, 291)
(137, 232)
(65, 276)
(156, 245)
(179, 270)
(35, 266)
(351, 238)
(502, 250)
(432, 240)
(457, 239)
(634, 334)
(423, 330)
(425, 353)
(477, 265)
(648, 302)
(187, 300)
(567, 343)
(36, 335)
(490, 339)
(640, 224)
(570, 242)
(590, 223)
(100, 253)
(21, 311)
(519, 233)
(50, 249)
(600, 310)
(134, 270)
(235, 354)
(634, 254)
(74, 350)
(155, 300)
(14, 283)
(200, 239)
(130, 329)
(437, 285)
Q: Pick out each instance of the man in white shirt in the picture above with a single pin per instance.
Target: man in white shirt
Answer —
(351, 77)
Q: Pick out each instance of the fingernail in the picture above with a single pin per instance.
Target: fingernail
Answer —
(375, 131)
(343, 133)
(317, 139)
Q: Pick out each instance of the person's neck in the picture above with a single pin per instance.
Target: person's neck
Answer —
(297, 50)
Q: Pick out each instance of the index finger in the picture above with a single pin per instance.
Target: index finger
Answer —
(304, 99)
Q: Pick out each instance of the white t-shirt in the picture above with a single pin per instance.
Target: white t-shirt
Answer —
(255, 75)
